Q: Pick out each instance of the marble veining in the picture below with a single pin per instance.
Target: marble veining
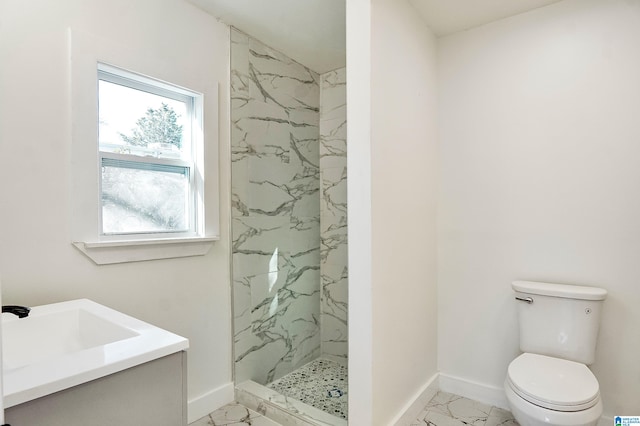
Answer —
(289, 223)
(275, 169)
(234, 414)
(283, 409)
(446, 409)
(334, 273)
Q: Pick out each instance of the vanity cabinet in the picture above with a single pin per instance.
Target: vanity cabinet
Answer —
(153, 393)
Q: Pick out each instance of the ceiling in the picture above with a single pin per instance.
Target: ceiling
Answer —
(449, 16)
(313, 32)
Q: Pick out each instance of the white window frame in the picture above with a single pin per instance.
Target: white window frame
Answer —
(85, 53)
(191, 139)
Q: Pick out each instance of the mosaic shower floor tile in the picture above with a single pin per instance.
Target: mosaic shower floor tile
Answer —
(321, 383)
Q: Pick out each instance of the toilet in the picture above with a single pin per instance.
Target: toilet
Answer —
(550, 383)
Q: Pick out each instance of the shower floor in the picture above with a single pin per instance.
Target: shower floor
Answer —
(321, 383)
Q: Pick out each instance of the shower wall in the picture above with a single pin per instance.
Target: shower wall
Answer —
(333, 212)
(276, 211)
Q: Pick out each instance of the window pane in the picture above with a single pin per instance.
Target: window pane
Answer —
(140, 123)
(144, 200)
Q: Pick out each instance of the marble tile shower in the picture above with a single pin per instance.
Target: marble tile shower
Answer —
(289, 227)
(276, 211)
(333, 213)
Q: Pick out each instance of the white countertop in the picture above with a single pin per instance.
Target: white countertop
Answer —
(62, 345)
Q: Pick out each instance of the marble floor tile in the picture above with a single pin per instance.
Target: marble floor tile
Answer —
(438, 419)
(234, 414)
(465, 410)
(446, 409)
(500, 417)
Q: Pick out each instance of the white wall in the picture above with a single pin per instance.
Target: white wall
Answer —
(359, 211)
(403, 208)
(188, 296)
(540, 180)
(401, 268)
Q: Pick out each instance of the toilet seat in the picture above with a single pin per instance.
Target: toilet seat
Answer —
(553, 383)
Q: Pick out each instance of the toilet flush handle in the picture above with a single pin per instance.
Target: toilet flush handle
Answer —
(529, 300)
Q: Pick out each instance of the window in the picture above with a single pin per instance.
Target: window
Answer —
(147, 137)
(144, 181)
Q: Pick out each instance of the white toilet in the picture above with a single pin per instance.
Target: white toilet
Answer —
(550, 384)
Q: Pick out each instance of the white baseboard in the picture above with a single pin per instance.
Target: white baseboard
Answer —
(480, 392)
(202, 405)
(491, 395)
(486, 394)
(416, 404)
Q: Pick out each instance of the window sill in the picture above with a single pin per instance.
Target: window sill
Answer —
(124, 251)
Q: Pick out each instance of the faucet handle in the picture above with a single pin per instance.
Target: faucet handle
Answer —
(20, 311)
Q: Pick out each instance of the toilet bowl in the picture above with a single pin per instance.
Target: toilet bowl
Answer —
(544, 390)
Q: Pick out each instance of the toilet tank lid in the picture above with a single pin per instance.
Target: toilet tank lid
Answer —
(560, 290)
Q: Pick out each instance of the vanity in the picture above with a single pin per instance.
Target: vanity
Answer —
(79, 363)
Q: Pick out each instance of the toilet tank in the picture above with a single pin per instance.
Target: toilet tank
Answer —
(559, 320)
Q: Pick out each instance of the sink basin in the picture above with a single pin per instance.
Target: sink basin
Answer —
(65, 344)
(40, 337)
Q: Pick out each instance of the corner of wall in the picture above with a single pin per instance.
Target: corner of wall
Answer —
(208, 402)
(417, 402)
